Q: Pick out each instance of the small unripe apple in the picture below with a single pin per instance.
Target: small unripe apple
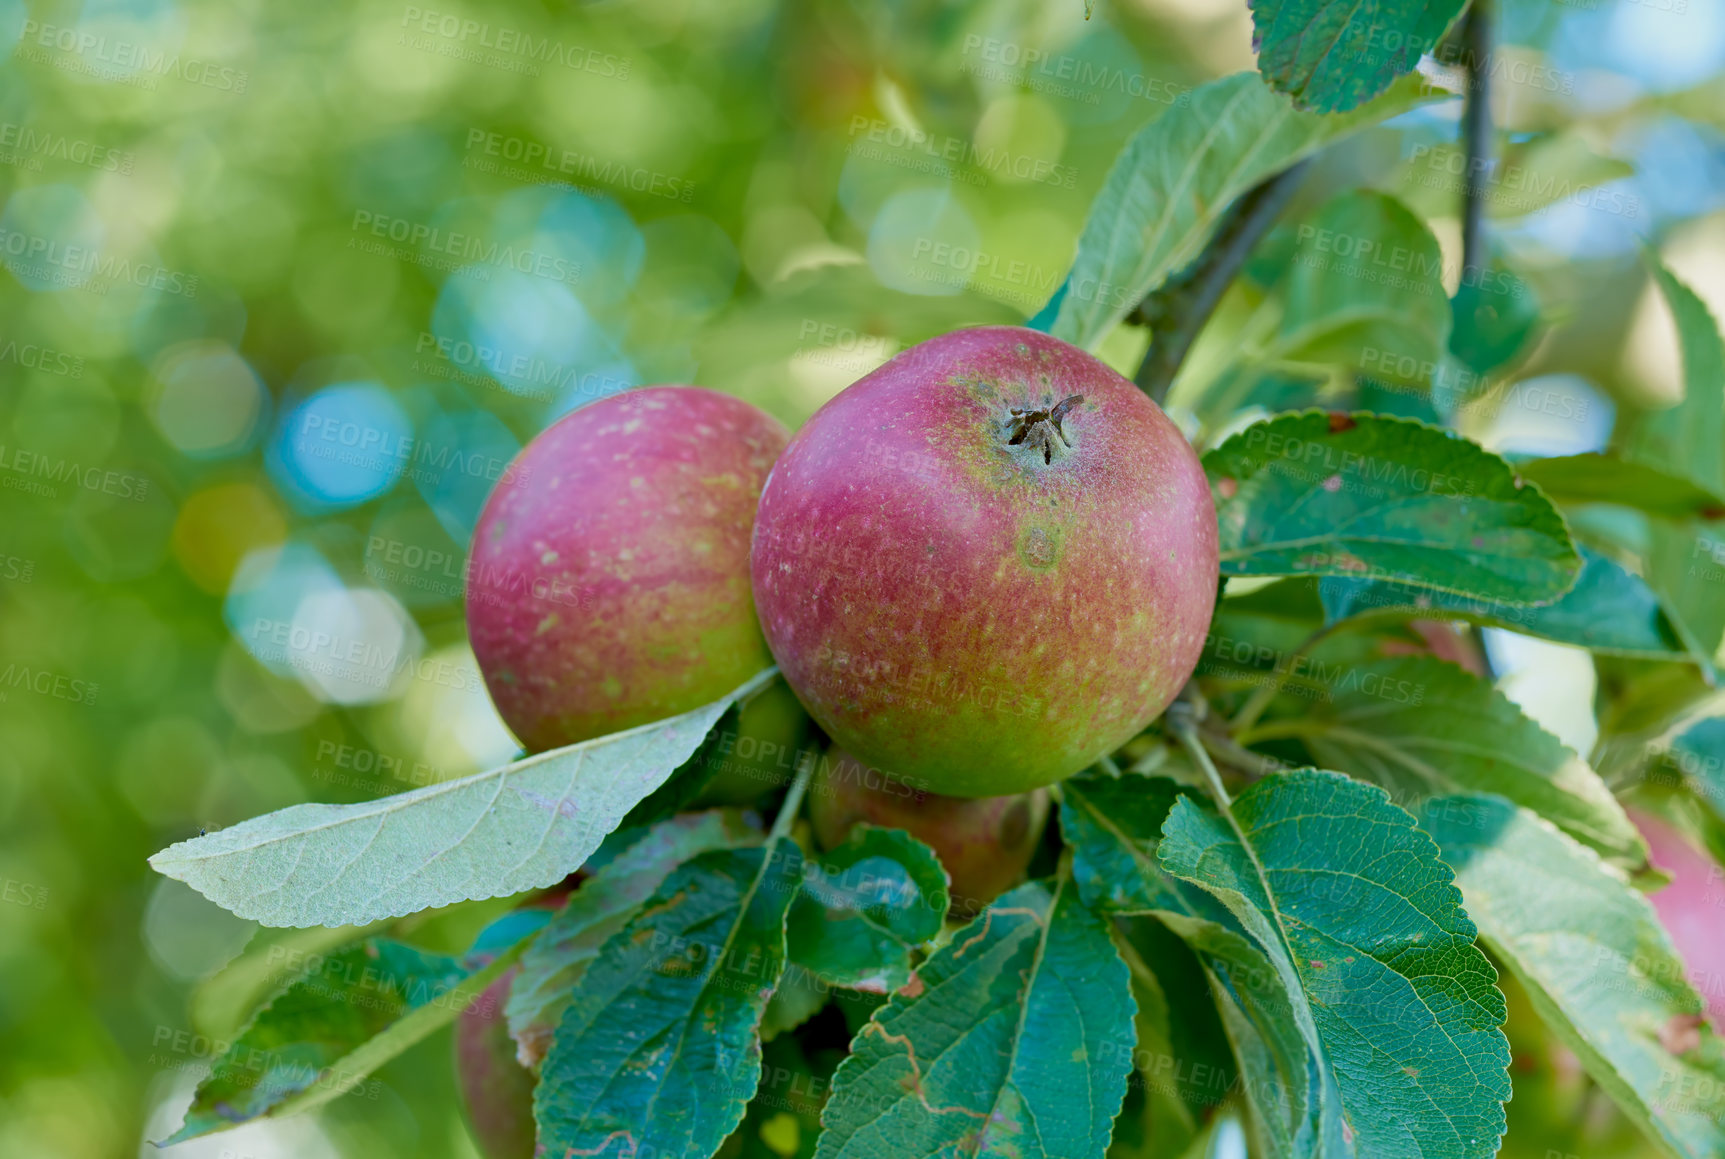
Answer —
(987, 563)
(1691, 908)
(496, 1090)
(609, 579)
(769, 745)
(985, 843)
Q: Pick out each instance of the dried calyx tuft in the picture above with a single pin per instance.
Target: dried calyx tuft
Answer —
(1040, 428)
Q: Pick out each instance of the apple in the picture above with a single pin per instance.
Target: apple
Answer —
(496, 1090)
(984, 843)
(608, 584)
(1691, 908)
(770, 743)
(987, 563)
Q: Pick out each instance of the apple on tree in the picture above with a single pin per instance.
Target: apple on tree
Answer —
(986, 564)
(609, 581)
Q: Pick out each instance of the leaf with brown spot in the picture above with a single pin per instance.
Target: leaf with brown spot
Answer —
(1015, 1043)
(696, 988)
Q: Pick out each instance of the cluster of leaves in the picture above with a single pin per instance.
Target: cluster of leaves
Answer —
(1282, 906)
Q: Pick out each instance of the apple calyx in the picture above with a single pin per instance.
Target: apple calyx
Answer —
(1041, 428)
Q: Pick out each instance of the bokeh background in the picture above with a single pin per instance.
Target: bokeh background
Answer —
(286, 286)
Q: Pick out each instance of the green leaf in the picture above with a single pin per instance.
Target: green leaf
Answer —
(1173, 182)
(799, 996)
(346, 1015)
(1112, 827)
(1421, 727)
(660, 1049)
(1013, 1040)
(224, 1002)
(1608, 610)
(555, 962)
(1493, 314)
(1321, 494)
(1600, 478)
(1686, 566)
(1365, 286)
(1349, 901)
(1699, 753)
(691, 777)
(864, 907)
(522, 826)
(1183, 1062)
(1332, 55)
(1168, 1123)
(1598, 966)
(1545, 169)
(1688, 439)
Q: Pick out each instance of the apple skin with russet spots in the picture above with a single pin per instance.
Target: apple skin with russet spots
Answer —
(987, 563)
(608, 585)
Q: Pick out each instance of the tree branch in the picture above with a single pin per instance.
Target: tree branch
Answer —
(1476, 132)
(1177, 311)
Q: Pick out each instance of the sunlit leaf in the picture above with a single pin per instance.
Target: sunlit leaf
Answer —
(1363, 495)
(523, 826)
(1597, 964)
(1336, 887)
(1174, 181)
(350, 1012)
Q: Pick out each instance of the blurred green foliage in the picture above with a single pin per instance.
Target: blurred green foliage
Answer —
(286, 286)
